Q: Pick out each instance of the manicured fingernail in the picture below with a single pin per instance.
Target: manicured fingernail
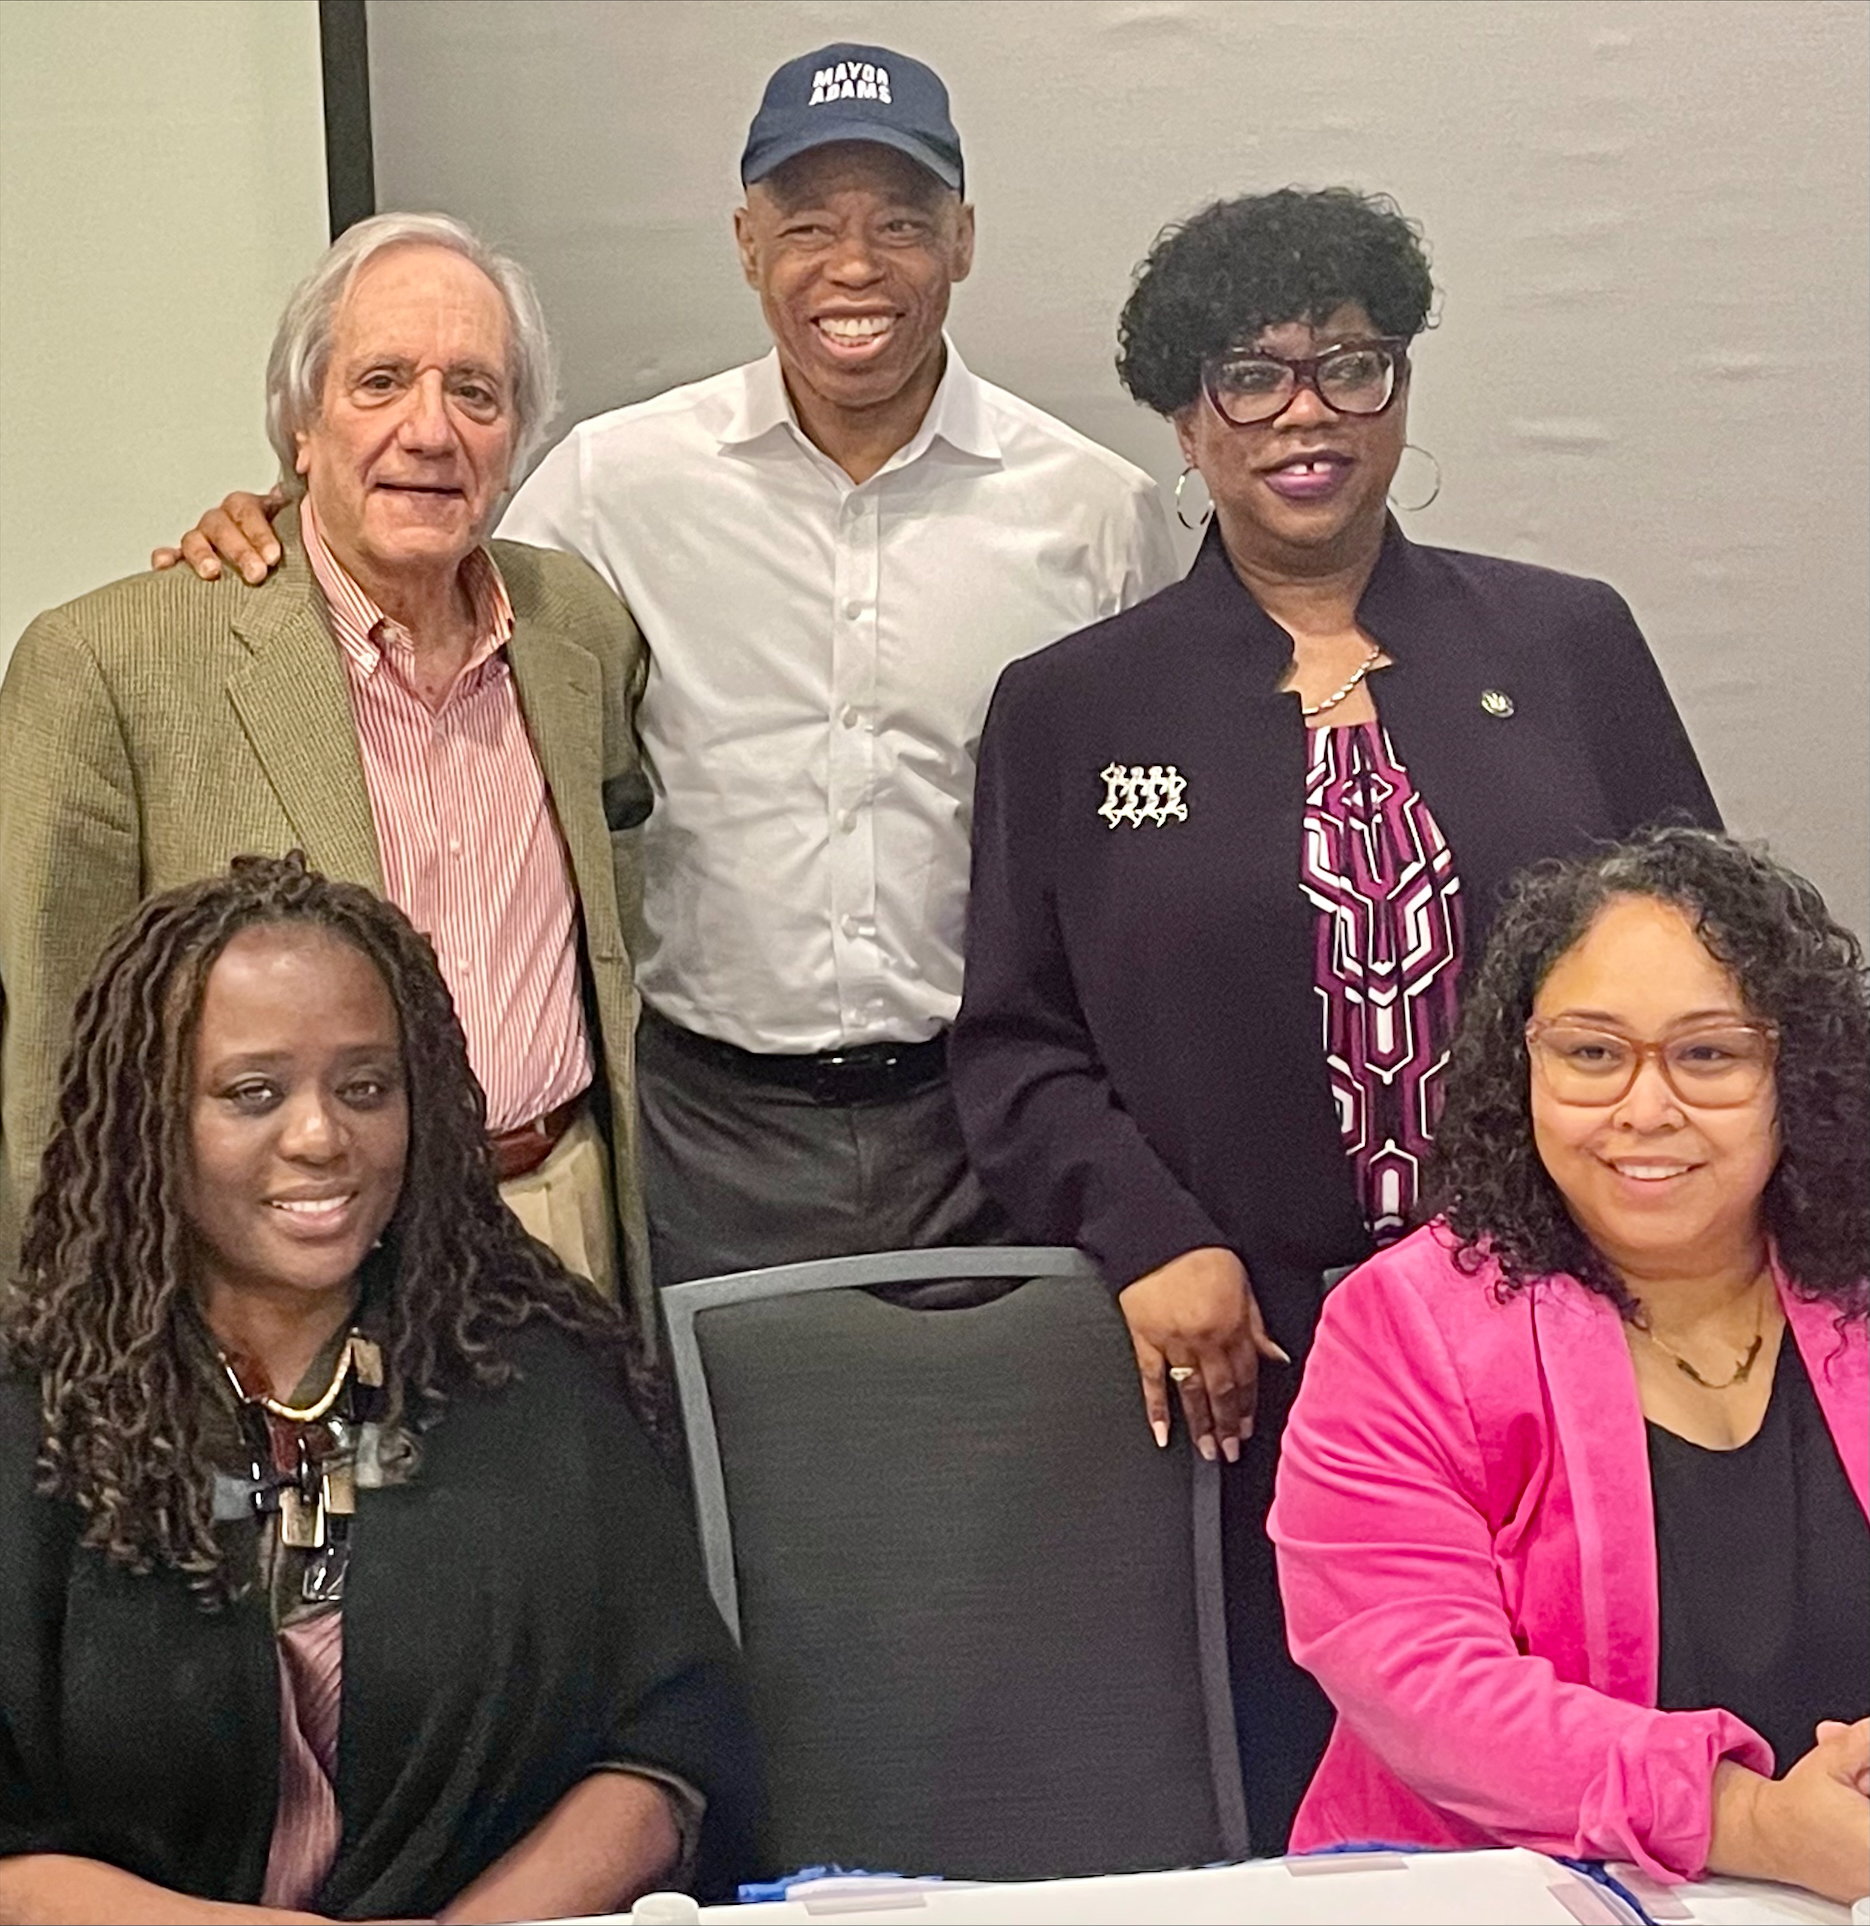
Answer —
(210, 568)
(1161, 1430)
(1205, 1445)
(1279, 1352)
(254, 571)
(271, 551)
(1246, 1427)
(1230, 1450)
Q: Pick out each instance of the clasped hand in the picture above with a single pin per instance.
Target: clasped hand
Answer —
(1197, 1313)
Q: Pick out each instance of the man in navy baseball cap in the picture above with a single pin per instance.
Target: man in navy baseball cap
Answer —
(832, 552)
(854, 235)
(848, 92)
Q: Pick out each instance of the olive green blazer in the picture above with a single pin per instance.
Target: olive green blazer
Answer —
(153, 730)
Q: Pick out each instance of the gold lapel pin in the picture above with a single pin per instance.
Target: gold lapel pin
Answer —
(1496, 702)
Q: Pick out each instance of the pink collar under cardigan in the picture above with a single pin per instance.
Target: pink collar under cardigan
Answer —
(1468, 1560)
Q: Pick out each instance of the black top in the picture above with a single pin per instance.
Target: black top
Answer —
(1138, 1061)
(1763, 1569)
(529, 1608)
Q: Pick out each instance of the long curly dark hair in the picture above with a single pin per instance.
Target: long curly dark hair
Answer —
(1796, 967)
(106, 1265)
(1238, 266)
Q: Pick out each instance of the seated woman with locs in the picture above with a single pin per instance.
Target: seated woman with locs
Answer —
(1571, 1515)
(338, 1574)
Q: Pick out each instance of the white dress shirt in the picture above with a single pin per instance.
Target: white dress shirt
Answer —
(821, 656)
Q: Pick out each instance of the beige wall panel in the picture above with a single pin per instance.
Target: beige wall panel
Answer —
(162, 186)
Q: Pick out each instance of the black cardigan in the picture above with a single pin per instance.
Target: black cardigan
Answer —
(1138, 1059)
(528, 1607)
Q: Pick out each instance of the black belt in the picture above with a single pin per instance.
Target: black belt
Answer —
(857, 1073)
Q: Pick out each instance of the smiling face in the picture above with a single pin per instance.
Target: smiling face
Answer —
(853, 250)
(1658, 1185)
(299, 1118)
(413, 443)
(1299, 491)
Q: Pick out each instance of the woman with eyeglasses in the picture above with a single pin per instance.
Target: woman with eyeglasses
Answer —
(1232, 847)
(1571, 1515)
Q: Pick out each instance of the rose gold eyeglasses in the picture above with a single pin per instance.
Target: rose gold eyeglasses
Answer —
(1712, 1066)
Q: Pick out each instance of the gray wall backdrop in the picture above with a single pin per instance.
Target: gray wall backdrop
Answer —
(1648, 221)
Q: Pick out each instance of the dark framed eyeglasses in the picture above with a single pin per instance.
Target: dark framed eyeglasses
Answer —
(1713, 1066)
(1245, 386)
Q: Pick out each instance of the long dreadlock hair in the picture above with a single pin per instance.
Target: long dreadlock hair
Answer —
(106, 1265)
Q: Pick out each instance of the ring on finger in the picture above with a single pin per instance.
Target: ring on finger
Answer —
(1181, 1373)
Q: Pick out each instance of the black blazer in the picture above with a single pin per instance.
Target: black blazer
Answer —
(1138, 1059)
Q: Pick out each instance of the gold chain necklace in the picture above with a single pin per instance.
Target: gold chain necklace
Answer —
(1742, 1370)
(1331, 701)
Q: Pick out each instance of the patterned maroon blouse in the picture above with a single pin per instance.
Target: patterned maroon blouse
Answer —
(1388, 958)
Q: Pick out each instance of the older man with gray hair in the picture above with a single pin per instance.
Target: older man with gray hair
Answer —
(442, 719)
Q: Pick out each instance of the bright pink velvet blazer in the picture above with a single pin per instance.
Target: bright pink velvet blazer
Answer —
(1468, 1559)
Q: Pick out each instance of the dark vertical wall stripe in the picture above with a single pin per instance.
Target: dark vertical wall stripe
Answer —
(350, 164)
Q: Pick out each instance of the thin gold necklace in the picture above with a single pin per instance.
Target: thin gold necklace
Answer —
(1742, 1370)
(1307, 711)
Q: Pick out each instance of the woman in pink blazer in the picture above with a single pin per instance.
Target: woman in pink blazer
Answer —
(1571, 1518)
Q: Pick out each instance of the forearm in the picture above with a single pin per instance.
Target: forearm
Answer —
(1494, 1738)
(60, 1889)
(1043, 1124)
(610, 1839)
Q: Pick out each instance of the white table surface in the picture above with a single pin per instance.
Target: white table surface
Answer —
(1502, 1888)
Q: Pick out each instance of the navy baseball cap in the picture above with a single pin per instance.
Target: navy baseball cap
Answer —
(848, 92)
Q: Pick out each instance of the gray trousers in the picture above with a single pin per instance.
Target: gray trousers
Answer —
(740, 1173)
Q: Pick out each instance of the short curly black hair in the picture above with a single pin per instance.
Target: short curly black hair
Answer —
(1796, 968)
(1238, 266)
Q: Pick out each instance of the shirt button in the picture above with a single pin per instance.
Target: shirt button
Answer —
(852, 715)
(454, 846)
(853, 609)
(848, 821)
(850, 926)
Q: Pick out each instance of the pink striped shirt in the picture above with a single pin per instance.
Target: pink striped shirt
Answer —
(307, 1826)
(471, 851)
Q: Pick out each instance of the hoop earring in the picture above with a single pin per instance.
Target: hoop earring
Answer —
(1194, 527)
(1415, 508)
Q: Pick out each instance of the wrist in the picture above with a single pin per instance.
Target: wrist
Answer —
(1743, 1841)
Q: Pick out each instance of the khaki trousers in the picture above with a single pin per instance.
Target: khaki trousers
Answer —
(567, 1203)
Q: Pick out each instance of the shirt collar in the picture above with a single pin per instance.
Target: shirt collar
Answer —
(363, 631)
(957, 413)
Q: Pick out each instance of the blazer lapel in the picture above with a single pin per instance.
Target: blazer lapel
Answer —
(1592, 1388)
(1838, 1364)
(295, 707)
(561, 695)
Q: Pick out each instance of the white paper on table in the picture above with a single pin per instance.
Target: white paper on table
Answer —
(1509, 1887)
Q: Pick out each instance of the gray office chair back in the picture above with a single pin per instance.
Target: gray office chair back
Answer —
(981, 1612)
